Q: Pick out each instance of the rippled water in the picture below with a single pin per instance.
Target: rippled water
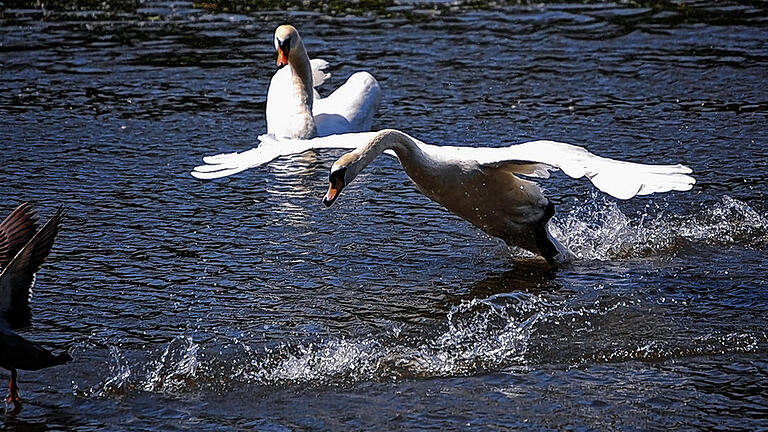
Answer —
(242, 304)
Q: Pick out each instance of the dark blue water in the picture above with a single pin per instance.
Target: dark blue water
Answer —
(241, 304)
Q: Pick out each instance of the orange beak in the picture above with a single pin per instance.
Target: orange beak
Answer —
(334, 189)
(282, 59)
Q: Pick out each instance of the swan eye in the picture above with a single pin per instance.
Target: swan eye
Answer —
(285, 45)
(334, 189)
(338, 176)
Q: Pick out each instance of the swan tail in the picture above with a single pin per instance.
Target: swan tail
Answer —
(550, 248)
(369, 104)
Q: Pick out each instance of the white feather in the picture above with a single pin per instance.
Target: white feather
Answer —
(271, 148)
(620, 179)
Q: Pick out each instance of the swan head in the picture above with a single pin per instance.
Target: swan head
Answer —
(287, 40)
(342, 173)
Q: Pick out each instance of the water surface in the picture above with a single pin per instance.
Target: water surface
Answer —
(241, 304)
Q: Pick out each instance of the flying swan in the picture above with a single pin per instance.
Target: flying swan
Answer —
(480, 185)
(22, 251)
(296, 110)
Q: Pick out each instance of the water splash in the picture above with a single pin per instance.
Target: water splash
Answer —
(504, 331)
(599, 230)
(334, 361)
(176, 369)
(119, 376)
(483, 334)
(480, 334)
(729, 222)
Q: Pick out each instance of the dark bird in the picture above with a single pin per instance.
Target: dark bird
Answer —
(23, 250)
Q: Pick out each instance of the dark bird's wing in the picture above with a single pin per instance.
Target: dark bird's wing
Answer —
(16, 231)
(18, 276)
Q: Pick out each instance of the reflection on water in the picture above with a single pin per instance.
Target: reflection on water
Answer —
(243, 304)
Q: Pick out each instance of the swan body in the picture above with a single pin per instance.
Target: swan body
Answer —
(482, 186)
(23, 250)
(479, 184)
(296, 110)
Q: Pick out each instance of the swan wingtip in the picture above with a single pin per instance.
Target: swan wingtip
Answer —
(198, 175)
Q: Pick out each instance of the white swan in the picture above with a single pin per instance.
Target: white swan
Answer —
(478, 184)
(296, 110)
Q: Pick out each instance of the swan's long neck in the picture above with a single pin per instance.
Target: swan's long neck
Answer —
(430, 172)
(303, 87)
(389, 139)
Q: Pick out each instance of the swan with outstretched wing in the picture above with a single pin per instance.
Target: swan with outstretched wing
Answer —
(479, 184)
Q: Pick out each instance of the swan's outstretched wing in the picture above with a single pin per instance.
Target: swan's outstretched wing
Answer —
(350, 108)
(620, 179)
(269, 149)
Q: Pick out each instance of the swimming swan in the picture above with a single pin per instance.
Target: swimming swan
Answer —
(296, 110)
(480, 185)
(22, 252)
